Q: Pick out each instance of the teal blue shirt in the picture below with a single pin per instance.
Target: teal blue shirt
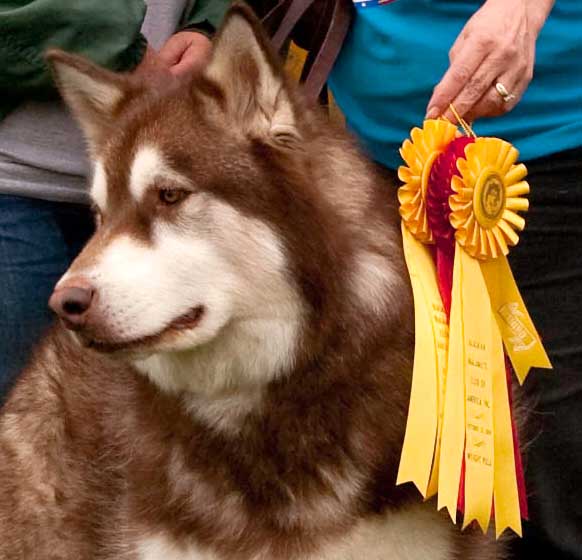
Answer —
(396, 53)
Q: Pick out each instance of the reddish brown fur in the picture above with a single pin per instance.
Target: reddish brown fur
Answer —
(92, 453)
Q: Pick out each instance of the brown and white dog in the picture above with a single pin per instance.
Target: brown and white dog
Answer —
(231, 376)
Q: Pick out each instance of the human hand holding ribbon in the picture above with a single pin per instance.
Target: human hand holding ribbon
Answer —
(492, 60)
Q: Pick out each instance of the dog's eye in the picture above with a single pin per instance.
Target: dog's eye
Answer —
(172, 196)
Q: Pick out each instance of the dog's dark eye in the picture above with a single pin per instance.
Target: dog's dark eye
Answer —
(172, 196)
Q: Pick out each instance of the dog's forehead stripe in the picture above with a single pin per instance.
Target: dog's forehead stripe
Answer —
(148, 165)
(99, 186)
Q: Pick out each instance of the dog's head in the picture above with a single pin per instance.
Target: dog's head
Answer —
(180, 189)
(211, 223)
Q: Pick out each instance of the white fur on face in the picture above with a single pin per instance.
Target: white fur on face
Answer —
(142, 289)
(233, 267)
(265, 318)
(248, 352)
(148, 165)
(99, 186)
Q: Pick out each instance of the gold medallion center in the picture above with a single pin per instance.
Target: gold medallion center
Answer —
(489, 198)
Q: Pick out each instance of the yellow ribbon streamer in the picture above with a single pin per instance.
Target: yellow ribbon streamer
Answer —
(421, 429)
(430, 365)
(441, 321)
(521, 339)
(479, 363)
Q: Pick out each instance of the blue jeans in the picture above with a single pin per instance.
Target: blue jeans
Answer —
(38, 241)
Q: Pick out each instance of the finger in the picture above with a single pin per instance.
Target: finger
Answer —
(492, 104)
(457, 47)
(194, 59)
(456, 77)
(173, 50)
(476, 87)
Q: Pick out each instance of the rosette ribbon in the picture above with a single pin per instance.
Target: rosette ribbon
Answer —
(459, 205)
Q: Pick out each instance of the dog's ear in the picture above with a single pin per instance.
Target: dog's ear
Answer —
(257, 92)
(93, 94)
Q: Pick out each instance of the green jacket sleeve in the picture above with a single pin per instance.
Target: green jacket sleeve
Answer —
(204, 15)
(106, 31)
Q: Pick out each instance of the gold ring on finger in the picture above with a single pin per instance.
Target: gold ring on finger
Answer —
(502, 91)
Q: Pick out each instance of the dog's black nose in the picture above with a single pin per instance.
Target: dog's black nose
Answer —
(71, 302)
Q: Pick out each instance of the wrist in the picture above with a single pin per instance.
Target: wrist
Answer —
(538, 12)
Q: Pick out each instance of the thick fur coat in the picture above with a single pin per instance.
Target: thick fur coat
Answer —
(234, 385)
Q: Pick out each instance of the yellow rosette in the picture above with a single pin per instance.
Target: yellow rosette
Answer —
(459, 411)
(488, 195)
(419, 153)
(420, 449)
